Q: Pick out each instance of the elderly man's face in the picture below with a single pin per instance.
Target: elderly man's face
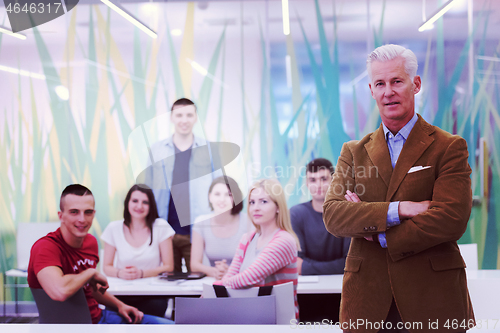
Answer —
(394, 92)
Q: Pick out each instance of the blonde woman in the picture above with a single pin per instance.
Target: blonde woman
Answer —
(267, 256)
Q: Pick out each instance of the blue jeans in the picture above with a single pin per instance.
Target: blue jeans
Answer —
(112, 317)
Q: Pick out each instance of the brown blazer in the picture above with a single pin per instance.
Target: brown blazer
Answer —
(422, 268)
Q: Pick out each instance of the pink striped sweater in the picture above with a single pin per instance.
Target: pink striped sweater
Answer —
(275, 264)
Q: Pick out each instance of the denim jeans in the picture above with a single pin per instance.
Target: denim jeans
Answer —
(112, 317)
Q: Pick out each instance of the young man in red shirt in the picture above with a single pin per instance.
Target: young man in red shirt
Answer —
(65, 260)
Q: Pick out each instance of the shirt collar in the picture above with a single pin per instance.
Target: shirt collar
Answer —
(405, 131)
(196, 142)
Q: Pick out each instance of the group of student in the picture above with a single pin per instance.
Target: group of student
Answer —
(266, 245)
(404, 269)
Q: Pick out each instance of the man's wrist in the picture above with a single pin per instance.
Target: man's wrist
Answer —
(393, 216)
(93, 272)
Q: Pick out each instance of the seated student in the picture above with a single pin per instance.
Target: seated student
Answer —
(267, 256)
(139, 246)
(217, 235)
(321, 252)
(65, 260)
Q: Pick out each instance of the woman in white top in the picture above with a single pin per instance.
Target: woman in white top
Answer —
(216, 236)
(139, 246)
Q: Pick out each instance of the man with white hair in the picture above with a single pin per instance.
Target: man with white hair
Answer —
(403, 193)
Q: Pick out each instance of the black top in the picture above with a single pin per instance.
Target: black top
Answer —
(179, 215)
(322, 252)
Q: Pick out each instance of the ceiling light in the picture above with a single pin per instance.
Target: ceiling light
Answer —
(123, 12)
(286, 17)
(62, 92)
(488, 58)
(176, 32)
(10, 33)
(21, 72)
(441, 11)
(197, 67)
(288, 66)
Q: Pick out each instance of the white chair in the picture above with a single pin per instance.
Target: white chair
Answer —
(285, 302)
(469, 254)
(27, 235)
(226, 310)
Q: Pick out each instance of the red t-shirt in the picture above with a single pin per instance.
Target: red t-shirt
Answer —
(52, 250)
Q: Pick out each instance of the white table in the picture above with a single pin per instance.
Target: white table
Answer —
(484, 289)
(36, 328)
(325, 284)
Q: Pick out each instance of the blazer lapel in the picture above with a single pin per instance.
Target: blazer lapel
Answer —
(418, 141)
(378, 152)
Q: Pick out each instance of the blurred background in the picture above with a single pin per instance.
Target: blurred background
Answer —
(75, 88)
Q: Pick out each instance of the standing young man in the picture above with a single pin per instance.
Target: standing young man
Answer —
(321, 252)
(181, 176)
(65, 261)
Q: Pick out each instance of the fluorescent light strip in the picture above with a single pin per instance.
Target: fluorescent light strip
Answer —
(21, 72)
(288, 64)
(428, 24)
(203, 71)
(286, 17)
(120, 10)
(10, 33)
(488, 58)
(197, 67)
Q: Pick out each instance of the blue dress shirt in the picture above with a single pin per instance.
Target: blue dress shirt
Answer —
(395, 144)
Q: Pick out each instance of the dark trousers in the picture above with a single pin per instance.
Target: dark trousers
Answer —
(182, 249)
(151, 305)
(394, 318)
(322, 308)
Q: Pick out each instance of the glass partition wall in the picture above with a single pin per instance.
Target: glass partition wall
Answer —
(76, 91)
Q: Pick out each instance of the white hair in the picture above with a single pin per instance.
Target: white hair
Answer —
(389, 52)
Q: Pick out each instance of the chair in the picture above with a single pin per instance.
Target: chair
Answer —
(285, 302)
(469, 254)
(27, 235)
(72, 311)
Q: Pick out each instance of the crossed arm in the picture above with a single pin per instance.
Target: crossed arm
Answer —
(406, 209)
(132, 272)
(197, 250)
(423, 224)
(308, 266)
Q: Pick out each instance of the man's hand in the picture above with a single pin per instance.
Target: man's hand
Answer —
(130, 273)
(99, 282)
(299, 265)
(409, 209)
(353, 197)
(127, 311)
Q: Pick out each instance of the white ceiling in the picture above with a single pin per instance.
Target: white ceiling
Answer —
(355, 19)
